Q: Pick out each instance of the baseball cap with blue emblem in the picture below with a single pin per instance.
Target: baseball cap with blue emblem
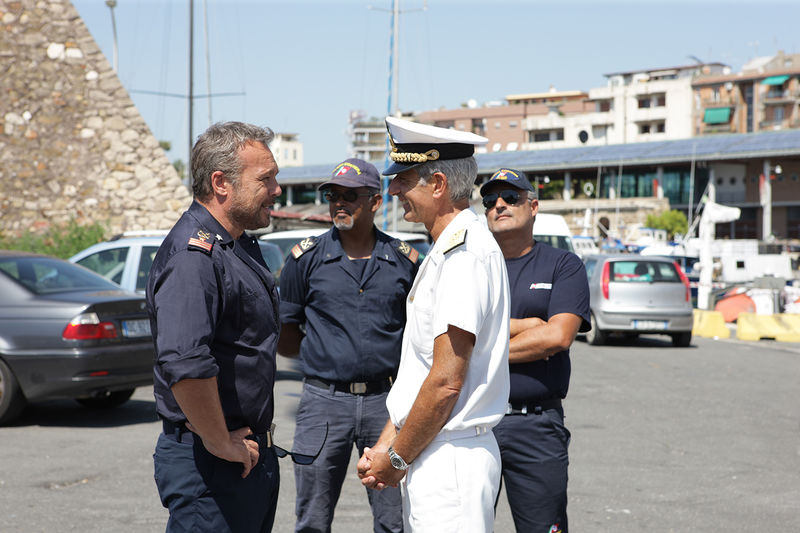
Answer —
(353, 173)
(414, 143)
(512, 177)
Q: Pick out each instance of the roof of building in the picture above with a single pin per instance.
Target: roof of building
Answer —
(744, 76)
(720, 147)
(693, 66)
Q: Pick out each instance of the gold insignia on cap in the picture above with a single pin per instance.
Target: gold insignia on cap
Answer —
(411, 157)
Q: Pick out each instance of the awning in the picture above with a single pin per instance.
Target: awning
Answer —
(718, 115)
(775, 80)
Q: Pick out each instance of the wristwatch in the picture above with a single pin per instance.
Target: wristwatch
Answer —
(397, 462)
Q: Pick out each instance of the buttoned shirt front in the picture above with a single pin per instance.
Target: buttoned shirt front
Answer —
(353, 320)
(462, 282)
(214, 313)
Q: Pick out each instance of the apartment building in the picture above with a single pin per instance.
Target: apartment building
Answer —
(764, 96)
(367, 137)
(287, 149)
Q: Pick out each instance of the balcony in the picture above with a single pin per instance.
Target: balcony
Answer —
(717, 128)
(781, 97)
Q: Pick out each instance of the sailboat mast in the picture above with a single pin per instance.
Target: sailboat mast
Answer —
(191, 87)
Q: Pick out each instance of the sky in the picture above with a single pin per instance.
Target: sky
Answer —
(302, 66)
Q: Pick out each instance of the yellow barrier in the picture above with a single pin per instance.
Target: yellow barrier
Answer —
(709, 324)
(781, 327)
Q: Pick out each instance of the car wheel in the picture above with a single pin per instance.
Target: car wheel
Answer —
(595, 336)
(682, 339)
(12, 401)
(114, 399)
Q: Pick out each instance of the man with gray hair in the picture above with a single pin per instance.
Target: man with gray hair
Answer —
(452, 386)
(214, 315)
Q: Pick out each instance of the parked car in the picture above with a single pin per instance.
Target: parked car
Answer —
(66, 332)
(286, 239)
(126, 260)
(632, 294)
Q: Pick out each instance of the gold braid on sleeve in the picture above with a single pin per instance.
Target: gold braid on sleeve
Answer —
(410, 157)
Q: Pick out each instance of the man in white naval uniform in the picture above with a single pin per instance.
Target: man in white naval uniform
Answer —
(453, 383)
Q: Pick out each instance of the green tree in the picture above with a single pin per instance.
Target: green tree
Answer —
(673, 221)
(62, 241)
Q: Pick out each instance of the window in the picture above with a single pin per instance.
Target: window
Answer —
(108, 263)
(779, 114)
(540, 136)
(512, 124)
(497, 125)
(644, 102)
(603, 106)
(145, 262)
(644, 129)
(560, 135)
(661, 100)
(660, 127)
(477, 126)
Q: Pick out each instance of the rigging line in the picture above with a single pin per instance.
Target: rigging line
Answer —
(164, 71)
(208, 57)
(364, 54)
(431, 101)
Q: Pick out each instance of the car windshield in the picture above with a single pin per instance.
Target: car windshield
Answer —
(45, 275)
(643, 271)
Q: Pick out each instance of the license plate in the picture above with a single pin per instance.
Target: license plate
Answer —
(649, 324)
(136, 328)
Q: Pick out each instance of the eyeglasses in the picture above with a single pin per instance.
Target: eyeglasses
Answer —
(348, 196)
(509, 196)
(301, 458)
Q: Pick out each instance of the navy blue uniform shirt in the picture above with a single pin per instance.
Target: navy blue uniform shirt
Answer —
(545, 282)
(354, 322)
(214, 312)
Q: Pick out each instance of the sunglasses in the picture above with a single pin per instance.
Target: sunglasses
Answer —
(348, 196)
(509, 196)
(301, 458)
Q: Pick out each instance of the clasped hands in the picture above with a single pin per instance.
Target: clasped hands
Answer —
(376, 471)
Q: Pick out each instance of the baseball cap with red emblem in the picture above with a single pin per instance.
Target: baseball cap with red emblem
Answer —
(353, 173)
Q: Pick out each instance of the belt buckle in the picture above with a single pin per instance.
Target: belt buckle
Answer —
(358, 388)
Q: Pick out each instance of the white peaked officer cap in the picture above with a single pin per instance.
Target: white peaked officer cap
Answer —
(414, 143)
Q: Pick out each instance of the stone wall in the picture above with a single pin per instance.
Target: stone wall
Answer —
(72, 143)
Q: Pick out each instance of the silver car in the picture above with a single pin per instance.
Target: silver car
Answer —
(66, 332)
(632, 294)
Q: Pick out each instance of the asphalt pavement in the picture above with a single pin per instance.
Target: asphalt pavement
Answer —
(705, 438)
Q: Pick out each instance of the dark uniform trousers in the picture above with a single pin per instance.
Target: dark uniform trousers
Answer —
(533, 448)
(207, 494)
(352, 419)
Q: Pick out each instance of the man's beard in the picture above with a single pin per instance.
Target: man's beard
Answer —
(245, 216)
(343, 225)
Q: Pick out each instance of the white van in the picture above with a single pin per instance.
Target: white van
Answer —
(553, 230)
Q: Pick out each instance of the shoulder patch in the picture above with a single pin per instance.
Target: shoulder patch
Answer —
(408, 251)
(458, 238)
(303, 246)
(203, 241)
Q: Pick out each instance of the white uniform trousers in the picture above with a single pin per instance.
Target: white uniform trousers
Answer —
(453, 484)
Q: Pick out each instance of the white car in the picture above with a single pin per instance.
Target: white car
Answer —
(126, 260)
(286, 239)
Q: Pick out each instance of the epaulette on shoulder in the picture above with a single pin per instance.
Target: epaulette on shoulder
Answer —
(202, 241)
(406, 250)
(303, 246)
(457, 239)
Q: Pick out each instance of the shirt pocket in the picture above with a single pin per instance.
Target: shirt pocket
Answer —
(420, 330)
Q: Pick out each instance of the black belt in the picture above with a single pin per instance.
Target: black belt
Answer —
(179, 433)
(363, 387)
(532, 407)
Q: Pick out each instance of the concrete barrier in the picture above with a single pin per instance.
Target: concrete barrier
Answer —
(781, 327)
(710, 324)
